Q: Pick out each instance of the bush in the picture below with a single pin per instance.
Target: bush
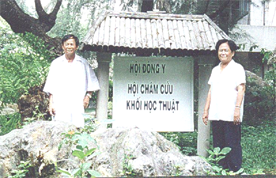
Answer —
(24, 62)
(258, 102)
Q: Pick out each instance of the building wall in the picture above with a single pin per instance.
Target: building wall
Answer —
(258, 27)
(263, 13)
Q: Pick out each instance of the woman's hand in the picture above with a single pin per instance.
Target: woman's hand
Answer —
(237, 116)
(205, 117)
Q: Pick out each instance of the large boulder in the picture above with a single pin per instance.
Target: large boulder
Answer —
(147, 153)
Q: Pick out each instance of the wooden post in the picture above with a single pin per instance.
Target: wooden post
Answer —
(205, 69)
(103, 76)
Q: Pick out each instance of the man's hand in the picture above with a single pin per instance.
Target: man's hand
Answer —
(86, 101)
(52, 110)
(51, 107)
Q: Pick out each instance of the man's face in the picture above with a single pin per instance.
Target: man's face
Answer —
(69, 47)
(224, 53)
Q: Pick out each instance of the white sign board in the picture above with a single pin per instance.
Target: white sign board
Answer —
(154, 93)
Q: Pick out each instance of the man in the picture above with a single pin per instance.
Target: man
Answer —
(224, 104)
(70, 83)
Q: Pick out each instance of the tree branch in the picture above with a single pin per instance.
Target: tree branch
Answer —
(53, 14)
(40, 11)
(15, 16)
(48, 20)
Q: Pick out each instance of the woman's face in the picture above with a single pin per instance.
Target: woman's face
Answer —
(225, 54)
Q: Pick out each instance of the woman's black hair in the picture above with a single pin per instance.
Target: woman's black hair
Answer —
(70, 36)
(232, 44)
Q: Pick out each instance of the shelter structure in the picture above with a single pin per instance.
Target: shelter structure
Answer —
(158, 34)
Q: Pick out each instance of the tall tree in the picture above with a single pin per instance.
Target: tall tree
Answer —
(21, 22)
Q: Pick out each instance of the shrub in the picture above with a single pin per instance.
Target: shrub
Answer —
(24, 63)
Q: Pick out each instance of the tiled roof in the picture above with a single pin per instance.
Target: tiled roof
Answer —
(152, 32)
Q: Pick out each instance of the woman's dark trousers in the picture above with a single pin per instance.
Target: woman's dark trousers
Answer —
(227, 134)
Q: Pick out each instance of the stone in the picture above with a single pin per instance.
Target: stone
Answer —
(138, 152)
(147, 152)
(36, 142)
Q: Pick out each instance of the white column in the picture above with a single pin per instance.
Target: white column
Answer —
(203, 138)
(103, 76)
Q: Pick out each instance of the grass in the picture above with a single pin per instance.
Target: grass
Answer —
(9, 122)
(258, 144)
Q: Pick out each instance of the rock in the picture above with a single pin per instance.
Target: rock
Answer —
(147, 153)
(254, 80)
(37, 142)
(132, 150)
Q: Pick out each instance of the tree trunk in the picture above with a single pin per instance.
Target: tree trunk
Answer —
(21, 22)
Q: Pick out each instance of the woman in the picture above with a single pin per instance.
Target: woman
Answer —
(224, 104)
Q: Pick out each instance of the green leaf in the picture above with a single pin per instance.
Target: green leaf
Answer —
(239, 171)
(59, 146)
(219, 158)
(216, 168)
(216, 150)
(89, 152)
(225, 150)
(78, 154)
(79, 147)
(76, 172)
(64, 172)
(86, 166)
(224, 172)
(94, 173)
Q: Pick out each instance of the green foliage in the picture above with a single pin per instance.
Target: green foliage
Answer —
(127, 168)
(185, 141)
(24, 61)
(81, 150)
(270, 75)
(261, 99)
(213, 159)
(258, 143)
(22, 170)
(9, 122)
(258, 103)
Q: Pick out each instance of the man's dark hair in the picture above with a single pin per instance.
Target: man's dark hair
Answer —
(232, 44)
(70, 36)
